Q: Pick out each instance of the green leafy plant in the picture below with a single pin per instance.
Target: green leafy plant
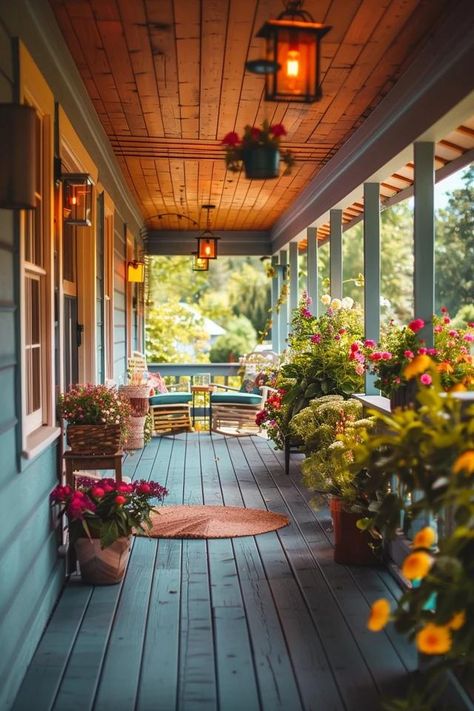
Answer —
(431, 450)
(317, 357)
(101, 508)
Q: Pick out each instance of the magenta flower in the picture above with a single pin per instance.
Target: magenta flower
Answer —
(468, 337)
(408, 354)
(354, 347)
(369, 343)
(416, 325)
(426, 379)
(453, 333)
(386, 355)
(316, 338)
(422, 351)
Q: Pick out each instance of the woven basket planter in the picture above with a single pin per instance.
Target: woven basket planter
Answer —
(94, 439)
(135, 433)
(138, 396)
(102, 566)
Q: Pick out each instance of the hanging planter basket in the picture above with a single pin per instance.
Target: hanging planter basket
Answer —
(261, 162)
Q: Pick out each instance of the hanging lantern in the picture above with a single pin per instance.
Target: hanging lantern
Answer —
(199, 263)
(207, 240)
(207, 245)
(77, 199)
(293, 47)
(18, 156)
(136, 271)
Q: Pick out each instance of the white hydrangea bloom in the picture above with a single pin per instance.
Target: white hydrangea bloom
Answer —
(336, 304)
(325, 299)
(347, 302)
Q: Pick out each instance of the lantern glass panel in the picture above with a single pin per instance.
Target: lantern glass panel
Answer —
(296, 55)
(77, 200)
(207, 247)
(200, 265)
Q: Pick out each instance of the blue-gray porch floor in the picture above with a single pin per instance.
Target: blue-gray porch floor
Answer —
(267, 622)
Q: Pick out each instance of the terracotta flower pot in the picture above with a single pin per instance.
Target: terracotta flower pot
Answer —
(102, 566)
(261, 162)
(351, 545)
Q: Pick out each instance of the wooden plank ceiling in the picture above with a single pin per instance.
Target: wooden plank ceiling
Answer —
(167, 79)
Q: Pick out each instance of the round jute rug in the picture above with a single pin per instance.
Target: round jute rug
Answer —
(200, 521)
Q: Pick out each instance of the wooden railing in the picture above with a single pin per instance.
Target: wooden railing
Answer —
(184, 373)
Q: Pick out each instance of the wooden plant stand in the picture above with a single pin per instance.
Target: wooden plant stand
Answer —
(78, 462)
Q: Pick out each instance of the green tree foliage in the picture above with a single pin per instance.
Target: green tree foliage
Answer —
(173, 332)
(249, 294)
(455, 248)
(239, 340)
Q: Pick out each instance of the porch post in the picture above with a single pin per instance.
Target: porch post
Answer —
(293, 277)
(335, 253)
(274, 315)
(283, 328)
(312, 267)
(371, 270)
(424, 238)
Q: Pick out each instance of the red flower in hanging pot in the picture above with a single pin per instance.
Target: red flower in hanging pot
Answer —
(231, 139)
(278, 130)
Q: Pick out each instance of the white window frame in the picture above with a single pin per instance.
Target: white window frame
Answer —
(39, 427)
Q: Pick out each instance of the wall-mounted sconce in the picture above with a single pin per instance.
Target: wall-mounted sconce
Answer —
(136, 272)
(200, 264)
(18, 156)
(77, 199)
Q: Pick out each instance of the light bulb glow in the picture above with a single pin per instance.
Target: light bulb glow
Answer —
(73, 200)
(293, 63)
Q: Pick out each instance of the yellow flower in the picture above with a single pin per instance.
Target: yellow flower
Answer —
(417, 565)
(445, 367)
(418, 365)
(464, 463)
(336, 304)
(457, 620)
(379, 615)
(434, 639)
(325, 299)
(424, 538)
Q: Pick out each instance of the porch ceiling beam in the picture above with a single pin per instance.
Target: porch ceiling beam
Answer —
(436, 82)
(233, 243)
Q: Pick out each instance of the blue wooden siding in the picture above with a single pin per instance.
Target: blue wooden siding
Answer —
(120, 302)
(31, 574)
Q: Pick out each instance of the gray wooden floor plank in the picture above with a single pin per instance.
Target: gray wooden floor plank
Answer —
(265, 623)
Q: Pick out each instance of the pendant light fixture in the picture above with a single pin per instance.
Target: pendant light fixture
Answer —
(292, 66)
(207, 240)
(199, 263)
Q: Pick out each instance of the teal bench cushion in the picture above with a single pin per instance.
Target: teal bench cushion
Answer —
(234, 398)
(171, 399)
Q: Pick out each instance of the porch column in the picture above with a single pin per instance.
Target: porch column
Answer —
(274, 314)
(312, 268)
(283, 328)
(335, 253)
(293, 300)
(424, 238)
(371, 270)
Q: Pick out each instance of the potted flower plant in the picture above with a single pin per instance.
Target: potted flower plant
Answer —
(258, 150)
(322, 426)
(102, 516)
(431, 451)
(401, 350)
(97, 418)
